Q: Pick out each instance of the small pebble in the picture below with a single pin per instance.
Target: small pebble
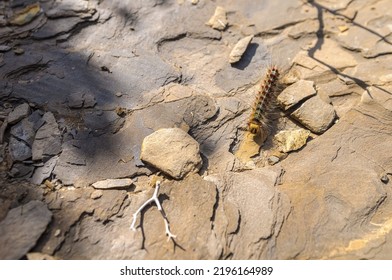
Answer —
(19, 51)
(119, 94)
(96, 194)
(385, 179)
(273, 160)
(57, 232)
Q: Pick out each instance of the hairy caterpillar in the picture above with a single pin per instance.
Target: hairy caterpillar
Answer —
(263, 104)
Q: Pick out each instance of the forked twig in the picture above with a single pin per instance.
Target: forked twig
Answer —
(155, 199)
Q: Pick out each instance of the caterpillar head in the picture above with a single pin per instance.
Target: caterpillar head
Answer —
(254, 127)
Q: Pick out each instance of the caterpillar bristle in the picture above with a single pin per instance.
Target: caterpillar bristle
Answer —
(263, 104)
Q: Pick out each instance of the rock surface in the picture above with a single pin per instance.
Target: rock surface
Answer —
(18, 113)
(315, 114)
(296, 93)
(97, 77)
(172, 151)
(22, 228)
(112, 184)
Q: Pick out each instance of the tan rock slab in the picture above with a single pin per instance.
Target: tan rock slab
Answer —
(315, 115)
(295, 93)
(239, 49)
(172, 151)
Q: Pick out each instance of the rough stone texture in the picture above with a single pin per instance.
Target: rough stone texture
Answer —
(291, 140)
(239, 49)
(327, 200)
(44, 172)
(218, 20)
(295, 93)
(18, 113)
(251, 214)
(315, 114)
(19, 150)
(21, 228)
(113, 184)
(172, 151)
(47, 141)
(338, 203)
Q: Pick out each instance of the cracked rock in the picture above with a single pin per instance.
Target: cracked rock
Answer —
(172, 151)
(19, 150)
(21, 229)
(47, 140)
(44, 172)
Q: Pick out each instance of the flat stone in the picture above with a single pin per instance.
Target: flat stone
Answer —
(239, 49)
(47, 141)
(96, 194)
(20, 170)
(295, 93)
(21, 229)
(315, 114)
(19, 113)
(113, 184)
(24, 131)
(57, 27)
(172, 151)
(291, 140)
(76, 100)
(218, 20)
(44, 172)
(254, 194)
(4, 48)
(19, 149)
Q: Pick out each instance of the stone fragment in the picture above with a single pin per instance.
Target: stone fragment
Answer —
(172, 151)
(44, 172)
(113, 184)
(89, 100)
(76, 100)
(21, 229)
(291, 140)
(296, 93)
(96, 194)
(47, 141)
(315, 114)
(3, 128)
(57, 27)
(218, 20)
(4, 48)
(39, 256)
(26, 15)
(239, 49)
(24, 131)
(19, 113)
(19, 150)
(20, 170)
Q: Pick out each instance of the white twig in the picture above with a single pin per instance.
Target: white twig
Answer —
(154, 198)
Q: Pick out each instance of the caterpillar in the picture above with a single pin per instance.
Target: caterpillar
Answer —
(263, 104)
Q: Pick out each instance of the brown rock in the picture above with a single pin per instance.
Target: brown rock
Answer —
(172, 151)
(315, 114)
(218, 20)
(291, 140)
(239, 49)
(295, 93)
